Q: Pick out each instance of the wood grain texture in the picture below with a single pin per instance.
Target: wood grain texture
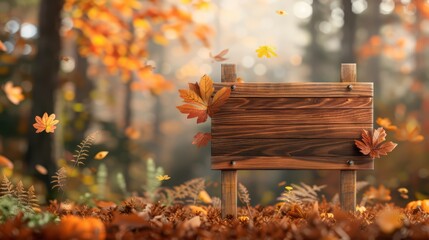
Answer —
(297, 103)
(229, 193)
(289, 131)
(307, 89)
(348, 177)
(259, 162)
(228, 73)
(292, 116)
(284, 147)
(348, 190)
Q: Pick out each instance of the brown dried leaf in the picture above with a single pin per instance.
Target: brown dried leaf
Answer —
(372, 144)
(218, 100)
(206, 88)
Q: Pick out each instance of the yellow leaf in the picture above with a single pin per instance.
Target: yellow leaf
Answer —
(206, 88)
(266, 51)
(163, 177)
(243, 218)
(196, 209)
(281, 12)
(101, 155)
(205, 197)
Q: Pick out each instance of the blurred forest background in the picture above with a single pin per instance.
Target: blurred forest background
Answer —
(114, 67)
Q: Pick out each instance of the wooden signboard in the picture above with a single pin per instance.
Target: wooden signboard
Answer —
(292, 126)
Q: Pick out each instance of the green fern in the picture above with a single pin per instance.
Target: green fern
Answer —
(122, 184)
(101, 180)
(152, 183)
(82, 151)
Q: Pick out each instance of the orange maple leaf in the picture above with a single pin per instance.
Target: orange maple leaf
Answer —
(45, 123)
(199, 100)
(14, 94)
(386, 123)
(201, 139)
(372, 143)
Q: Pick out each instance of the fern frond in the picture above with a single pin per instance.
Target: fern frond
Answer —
(20, 193)
(59, 179)
(186, 191)
(82, 151)
(32, 200)
(152, 184)
(243, 194)
(6, 187)
(301, 194)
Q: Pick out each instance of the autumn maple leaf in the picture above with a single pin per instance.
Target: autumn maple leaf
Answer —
(386, 123)
(14, 94)
(198, 99)
(266, 51)
(45, 123)
(372, 143)
(201, 139)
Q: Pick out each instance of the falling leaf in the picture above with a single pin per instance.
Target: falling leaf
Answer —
(409, 133)
(163, 177)
(282, 183)
(65, 58)
(132, 133)
(199, 103)
(266, 51)
(220, 57)
(101, 155)
(372, 144)
(41, 169)
(201, 139)
(281, 12)
(239, 80)
(205, 197)
(45, 123)
(5, 162)
(386, 123)
(14, 94)
(404, 192)
(3, 47)
(389, 220)
(381, 194)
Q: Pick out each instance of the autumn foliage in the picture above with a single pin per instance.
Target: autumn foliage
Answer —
(373, 144)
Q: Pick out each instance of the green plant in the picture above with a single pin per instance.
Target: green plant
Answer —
(122, 184)
(152, 184)
(101, 180)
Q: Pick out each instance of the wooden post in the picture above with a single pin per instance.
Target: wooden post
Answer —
(348, 177)
(229, 177)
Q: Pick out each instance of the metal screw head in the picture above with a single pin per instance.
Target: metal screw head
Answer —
(350, 162)
(232, 163)
(233, 87)
(349, 87)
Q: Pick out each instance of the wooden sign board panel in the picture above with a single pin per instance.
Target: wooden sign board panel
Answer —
(292, 126)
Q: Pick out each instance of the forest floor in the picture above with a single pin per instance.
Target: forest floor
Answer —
(136, 219)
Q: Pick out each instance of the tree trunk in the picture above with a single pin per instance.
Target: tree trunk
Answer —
(374, 25)
(349, 32)
(45, 75)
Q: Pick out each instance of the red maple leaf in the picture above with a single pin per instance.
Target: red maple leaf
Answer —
(201, 139)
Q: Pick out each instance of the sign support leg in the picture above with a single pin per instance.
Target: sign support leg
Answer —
(229, 193)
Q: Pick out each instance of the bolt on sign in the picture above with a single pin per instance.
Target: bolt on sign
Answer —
(310, 125)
